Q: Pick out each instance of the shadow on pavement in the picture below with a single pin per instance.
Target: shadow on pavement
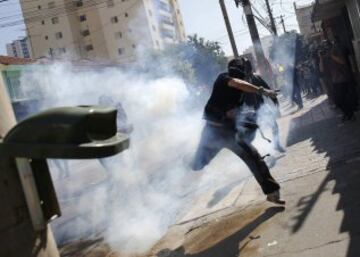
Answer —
(221, 193)
(229, 246)
(341, 145)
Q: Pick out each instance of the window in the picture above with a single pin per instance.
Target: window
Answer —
(114, 19)
(126, 15)
(82, 18)
(110, 3)
(39, 7)
(167, 20)
(26, 54)
(163, 6)
(118, 34)
(121, 51)
(55, 20)
(89, 48)
(51, 5)
(42, 22)
(14, 85)
(58, 35)
(85, 33)
(167, 34)
(62, 50)
(46, 37)
(79, 3)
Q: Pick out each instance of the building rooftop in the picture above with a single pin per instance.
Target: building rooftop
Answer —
(8, 60)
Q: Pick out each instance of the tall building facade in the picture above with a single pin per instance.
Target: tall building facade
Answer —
(19, 48)
(101, 29)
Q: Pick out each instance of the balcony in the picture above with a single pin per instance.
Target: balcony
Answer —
(167, 21)
(168, 34)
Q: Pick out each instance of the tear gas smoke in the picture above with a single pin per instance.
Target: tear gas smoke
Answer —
(151, 184)
(283, 60)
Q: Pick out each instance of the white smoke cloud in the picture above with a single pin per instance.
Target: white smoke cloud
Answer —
(151, 182)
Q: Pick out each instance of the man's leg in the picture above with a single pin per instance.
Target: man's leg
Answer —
(208, 148)
(349, 101)
(256, 164)
(340, 99)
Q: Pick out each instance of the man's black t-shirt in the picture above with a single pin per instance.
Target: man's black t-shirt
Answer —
(223, 99)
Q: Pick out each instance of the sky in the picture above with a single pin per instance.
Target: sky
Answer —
(206, 20)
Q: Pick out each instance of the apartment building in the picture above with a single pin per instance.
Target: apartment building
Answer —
(101, 29)
(19, 48)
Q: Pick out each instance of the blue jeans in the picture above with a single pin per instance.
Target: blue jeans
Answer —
(216, 138)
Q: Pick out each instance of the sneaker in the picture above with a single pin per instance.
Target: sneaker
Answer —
(275, 198)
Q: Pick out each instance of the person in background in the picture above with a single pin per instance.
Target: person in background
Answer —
(341, 81)
(63, 168)
(297, 86)
(324, 70)
(121, 121)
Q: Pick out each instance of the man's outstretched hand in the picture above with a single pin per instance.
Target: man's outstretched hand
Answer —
(269, 93)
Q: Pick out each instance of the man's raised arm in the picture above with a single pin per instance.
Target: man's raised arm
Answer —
(250, 88)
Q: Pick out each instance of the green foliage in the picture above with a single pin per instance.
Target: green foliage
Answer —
(197, 61)
(208, 59)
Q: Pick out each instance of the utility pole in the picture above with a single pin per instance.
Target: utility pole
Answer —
(283, 23)
(260, 57)
(228, 28)
(272, 21)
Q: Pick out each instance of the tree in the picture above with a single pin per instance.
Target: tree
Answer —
(208, 59)
(197, 61)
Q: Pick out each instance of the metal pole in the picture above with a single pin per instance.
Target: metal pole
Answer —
(260, 57)
(228, 28)
(18, 236)
(272, 21)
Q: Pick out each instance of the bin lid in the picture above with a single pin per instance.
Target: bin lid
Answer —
(82, 132)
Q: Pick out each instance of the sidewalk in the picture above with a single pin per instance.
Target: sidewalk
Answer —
(320, 181)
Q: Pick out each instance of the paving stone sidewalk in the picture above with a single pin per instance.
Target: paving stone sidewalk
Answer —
(320, 178)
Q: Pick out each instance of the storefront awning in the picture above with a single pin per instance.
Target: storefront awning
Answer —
(325, 9)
